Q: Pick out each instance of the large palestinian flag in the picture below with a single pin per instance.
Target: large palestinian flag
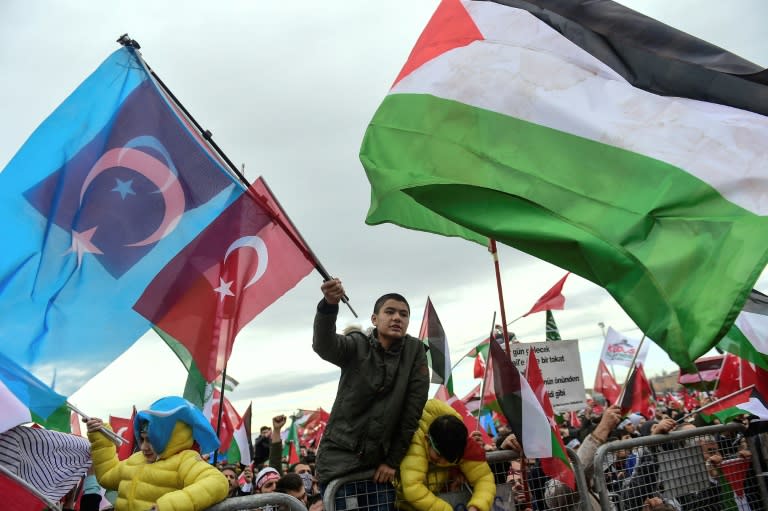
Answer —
(592, 137)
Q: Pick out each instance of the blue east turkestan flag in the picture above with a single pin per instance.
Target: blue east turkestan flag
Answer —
(103, 194)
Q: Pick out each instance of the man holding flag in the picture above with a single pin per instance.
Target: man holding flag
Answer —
(382, 391)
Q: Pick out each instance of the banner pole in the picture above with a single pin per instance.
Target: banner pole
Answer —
(495, 255)
(126, 41)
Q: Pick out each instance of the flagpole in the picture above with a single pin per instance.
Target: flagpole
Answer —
(698, 410)
(631, 370)
(221, 411)
(292, 232)
(117, 439)
(495, 255)
(487, 363)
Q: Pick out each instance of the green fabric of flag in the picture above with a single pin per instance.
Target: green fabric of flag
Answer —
(748, 337)
(240, 448)
(291, 446)
(57, 421)
(500, 126)
(553, 334)
(196, 389)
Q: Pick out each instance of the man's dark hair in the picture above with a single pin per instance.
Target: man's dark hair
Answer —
(389, 296)
(263, 428)
(289, 482)
(448, 435)
(233, 468)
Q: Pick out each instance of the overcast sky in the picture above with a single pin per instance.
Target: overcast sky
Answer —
(288, 88)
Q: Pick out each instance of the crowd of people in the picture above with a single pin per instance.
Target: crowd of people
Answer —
(413, 451)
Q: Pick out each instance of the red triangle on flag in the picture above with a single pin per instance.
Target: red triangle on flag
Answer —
(450, 27)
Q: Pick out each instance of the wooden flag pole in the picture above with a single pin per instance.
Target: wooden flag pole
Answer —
(495, 255)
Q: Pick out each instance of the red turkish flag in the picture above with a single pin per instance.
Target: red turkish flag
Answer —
(470, 421)
(552, 299)
(235, 268)
(638, 394)
(18, 496)
(124, 428)
(230, 419)
(605, 384)
(729, 380)
(479, 369)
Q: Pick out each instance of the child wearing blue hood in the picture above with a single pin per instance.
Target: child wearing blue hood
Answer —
(166, 474)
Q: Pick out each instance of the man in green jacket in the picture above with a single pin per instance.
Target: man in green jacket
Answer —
(381, 394)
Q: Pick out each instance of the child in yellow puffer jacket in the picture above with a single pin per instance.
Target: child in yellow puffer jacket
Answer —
(167, 474)
(442, 441)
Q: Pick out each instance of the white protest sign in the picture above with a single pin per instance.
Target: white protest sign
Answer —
(561, 369)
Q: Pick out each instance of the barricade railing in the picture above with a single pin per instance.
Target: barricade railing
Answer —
(515, 490)
(706, 468)
(268, 501)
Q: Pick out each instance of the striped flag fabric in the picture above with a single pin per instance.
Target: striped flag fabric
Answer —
(291, 445)
(557, 465)
(748, 337)
(433, 334)
(549, 126)
(24, 398)
(48, 463)
(747, 401)
(240, 448)
(520, 406)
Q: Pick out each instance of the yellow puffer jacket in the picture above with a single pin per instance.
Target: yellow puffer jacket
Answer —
(178, 481)
(416, 487)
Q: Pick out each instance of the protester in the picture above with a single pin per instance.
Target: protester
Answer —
(266, 480)
(261, 446)
(291, 484)
(276, 444)
(382, 390)
(230, 472)
(166, 474)
(442, 441)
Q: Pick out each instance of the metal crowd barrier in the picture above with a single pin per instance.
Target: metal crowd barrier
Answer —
(267, 501)
(698, 469)
(357, 491)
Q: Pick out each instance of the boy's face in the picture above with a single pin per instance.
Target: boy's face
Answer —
(435, 458)
(146, 448)
(392, 319)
